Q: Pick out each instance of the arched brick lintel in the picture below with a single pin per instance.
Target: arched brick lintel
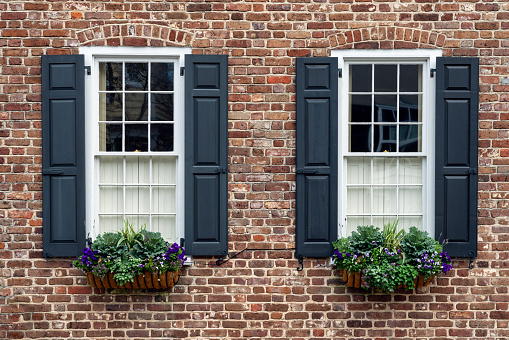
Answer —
(134, 34)
(387, 37)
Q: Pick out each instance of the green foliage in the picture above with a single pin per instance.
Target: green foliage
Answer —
(365, 239)
(126, 269)
(416, 242)
(151, 245)
(392, 237)
(128, 236)
(107, 245)
(342, 245)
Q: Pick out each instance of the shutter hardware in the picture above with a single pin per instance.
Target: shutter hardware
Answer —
(472, 258)
(432, 72)
(182, 70)
(89, 72)
(340, 73)
(472, 171)
(53, 172)
(221, 170)
(305, 171)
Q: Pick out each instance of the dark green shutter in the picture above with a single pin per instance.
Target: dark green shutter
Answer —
(206, 157)
(317, 156)
(63, 155)
(457, 103)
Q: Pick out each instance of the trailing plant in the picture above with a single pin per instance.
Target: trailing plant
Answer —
(381, 259)
(128, 253)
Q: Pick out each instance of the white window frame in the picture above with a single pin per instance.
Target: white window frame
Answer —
(428, 59)
(95, 54)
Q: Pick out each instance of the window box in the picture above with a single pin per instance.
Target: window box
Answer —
(145, 280)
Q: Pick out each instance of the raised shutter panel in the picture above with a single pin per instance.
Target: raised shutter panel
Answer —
(317, 156)
(63, 155)
(457, 103)
(206, 157)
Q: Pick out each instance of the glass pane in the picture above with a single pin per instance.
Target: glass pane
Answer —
(386, 78)
(384, 200)
(136, 76)
(410, 78)
(358, 200)
(166, 226)
(360, 108)
(110, 76)
(164, 170)
(108, 223)
(360, 138)
(410, 108)
(410, 200)
(136, 137)
(386, 108)
(410, 138)
(380, 221)
(110, 137)
(161, 77)
(161, 137)
(385, 138)
(137, 199)
(139, 221)
(410, 170)
(137, 170)
(111, 199)
(385, 170)
(360, 78)
(111, 169)
(352, 222)
(410, 221)
(161, 107)
(110, 106)
(136, 106)
(164, 200)
(359, 171)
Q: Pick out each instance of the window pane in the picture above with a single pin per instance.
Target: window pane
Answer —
(360, 108)
(137, 199)
(108, 223)
(380, 221)
(111, 169)
(386, 108)
(161, 107)
(136, 107)
(352, 222)
(110, 137)
(410, 170)
(136, 137)
(110, 76)
(163, 200)
(110, 106)
(386, 78)
(111, 199)
(384, 200)
(359, 170)
(410, 78)
(164, 170)
(410, 221)
(385, 170)
(139, 220)
(165, 225)
(385, 138)
(161, 137)
(359, 200)
(136, 75)
(161, 77)
(360, 138)
(137, 170)
(410, 138)
(360, 78)
(410, 108)
(410, 200)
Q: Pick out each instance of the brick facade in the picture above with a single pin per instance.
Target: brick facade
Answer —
(259, 294)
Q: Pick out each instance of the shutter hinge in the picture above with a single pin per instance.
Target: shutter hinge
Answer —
(472, 258)
(48, 255)
(432, 72)
(182, 242)
(88, 69)
(340, 73)
(301, 263)
(182, 70)
(221, 170)
(471, 171)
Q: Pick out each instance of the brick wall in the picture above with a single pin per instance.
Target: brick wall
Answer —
(260, 294)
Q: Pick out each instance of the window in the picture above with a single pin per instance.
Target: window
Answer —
(386, 143)
(117, 122)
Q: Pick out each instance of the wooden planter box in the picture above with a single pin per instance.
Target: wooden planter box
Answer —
(354, 280)
(146, 280)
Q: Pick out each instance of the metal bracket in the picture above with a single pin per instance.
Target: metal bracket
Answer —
(182, 70)
(182, 241)
(432, 72)
(89, 72)
(221, 170)
(301, 263)
(472, 258)
(340, 73)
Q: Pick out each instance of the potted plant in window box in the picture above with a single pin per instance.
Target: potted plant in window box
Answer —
(131, 259)
(389, 259)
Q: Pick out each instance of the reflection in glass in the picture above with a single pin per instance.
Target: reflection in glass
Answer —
(161, 77)
(136, 137)
(386, 78)
(360, 78)
(110, 137)
(110, 106)
(161, 107)
(360, 108)
(360, 138)
(410, 108)
(136, 106)
(161, 137)
(385, 138)
(136, 75)
(410, 138)
(110, 76)
(410, 78)
(386, 108)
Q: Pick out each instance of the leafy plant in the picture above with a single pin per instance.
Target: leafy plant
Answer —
(392, 237)
(365, 239)
(416, 242)
(130, 237)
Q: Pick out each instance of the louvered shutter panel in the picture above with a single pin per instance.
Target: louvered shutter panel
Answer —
(317, 156)
(457, 103)
(63, 155)
(206, 155)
